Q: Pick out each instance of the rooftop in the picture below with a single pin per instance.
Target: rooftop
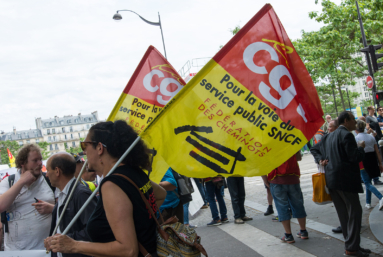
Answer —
(21, 134)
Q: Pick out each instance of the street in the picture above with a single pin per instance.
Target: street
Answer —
(260, 237)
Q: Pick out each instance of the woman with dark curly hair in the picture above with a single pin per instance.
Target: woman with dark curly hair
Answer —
(121, 220)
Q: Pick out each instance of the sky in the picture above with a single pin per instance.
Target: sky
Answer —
(67, 57)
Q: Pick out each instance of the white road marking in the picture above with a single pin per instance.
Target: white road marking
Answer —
(265, 243)
(320, 227)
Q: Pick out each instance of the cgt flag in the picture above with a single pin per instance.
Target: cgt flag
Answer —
(246, 112)
(153, 84)
(11, 159)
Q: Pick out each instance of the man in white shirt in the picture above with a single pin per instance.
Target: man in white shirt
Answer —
(27, 225)
(61, 169)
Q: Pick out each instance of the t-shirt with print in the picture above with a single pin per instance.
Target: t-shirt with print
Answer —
(27, 227)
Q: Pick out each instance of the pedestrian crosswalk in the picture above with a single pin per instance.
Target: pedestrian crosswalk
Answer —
(265, 244)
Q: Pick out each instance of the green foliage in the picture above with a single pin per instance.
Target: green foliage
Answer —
(235, 30)
(13, 146)
(326, 97)
(74, 149)
(331, 55)
(44, 149)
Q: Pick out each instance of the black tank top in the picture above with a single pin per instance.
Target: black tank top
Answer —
(98, 226)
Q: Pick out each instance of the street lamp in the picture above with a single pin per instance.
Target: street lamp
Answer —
(118, 17)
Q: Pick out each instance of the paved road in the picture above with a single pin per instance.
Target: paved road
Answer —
(260, 237)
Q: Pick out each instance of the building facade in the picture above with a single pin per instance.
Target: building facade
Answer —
(60, 132)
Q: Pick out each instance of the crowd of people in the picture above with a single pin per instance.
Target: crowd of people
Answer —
(118, 221)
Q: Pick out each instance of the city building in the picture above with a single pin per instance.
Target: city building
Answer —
(60, 132)
(23, 136)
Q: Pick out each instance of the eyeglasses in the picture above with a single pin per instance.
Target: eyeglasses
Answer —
(380, 110)
(83, 144)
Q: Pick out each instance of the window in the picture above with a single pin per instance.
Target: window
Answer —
(71, 136)
(49, 138)
(61, 122)
(37, 141)
(65, 137)
(56, 147)
(70, 129)
(73, 144)
(63, 129)
(19, 136)
(54, 138)
(51, 147)
(48, 131)
(66, 145)
(28, 141)
(20, 143)
(79, 135)
(87, 126)
(53, 131)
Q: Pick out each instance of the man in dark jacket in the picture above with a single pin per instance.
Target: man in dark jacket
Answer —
(340, 155)
(60, 170)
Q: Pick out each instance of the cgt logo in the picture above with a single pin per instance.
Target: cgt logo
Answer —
(277, 72)
(165, 87)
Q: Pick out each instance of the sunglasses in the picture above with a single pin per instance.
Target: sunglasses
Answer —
(83, 144)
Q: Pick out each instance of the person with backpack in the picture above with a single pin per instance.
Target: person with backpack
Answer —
(26, 224)
(123, 223)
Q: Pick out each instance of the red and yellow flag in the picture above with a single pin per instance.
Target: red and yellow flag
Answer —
(246, 112)
(11, 159)
(152, 85)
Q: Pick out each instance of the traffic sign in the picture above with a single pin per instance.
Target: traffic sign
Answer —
(369, 82)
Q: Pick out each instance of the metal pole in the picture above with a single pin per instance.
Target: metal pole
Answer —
(336, 109)
(367, 54)
(70, 196)
(163, 41)
(95, 191)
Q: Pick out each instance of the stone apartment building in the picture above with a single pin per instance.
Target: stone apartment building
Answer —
(59, 132)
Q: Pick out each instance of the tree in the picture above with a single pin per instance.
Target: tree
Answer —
(74, 149)
(13, 146)
(332, 53)
(44, 149)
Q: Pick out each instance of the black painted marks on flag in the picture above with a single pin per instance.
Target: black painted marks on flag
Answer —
(207, 151)
(193, 128)
(211, 153)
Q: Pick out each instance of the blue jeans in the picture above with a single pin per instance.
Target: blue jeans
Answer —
(369, 187)
(186, 213)
(288, 197)
(212, 192)
(202, 190)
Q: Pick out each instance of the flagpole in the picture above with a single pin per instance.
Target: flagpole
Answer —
(95, 191)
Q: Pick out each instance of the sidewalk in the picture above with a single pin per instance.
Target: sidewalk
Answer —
(260, 237)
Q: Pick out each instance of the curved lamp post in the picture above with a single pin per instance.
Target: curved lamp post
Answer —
(118, 17)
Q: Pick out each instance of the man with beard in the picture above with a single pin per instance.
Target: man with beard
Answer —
(27, 226)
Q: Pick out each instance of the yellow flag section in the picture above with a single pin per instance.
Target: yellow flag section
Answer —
(152, 85)
(11, 159)
(246, 112)
(213, 134)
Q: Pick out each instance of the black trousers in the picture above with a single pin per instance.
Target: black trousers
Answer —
(349, 211)
(171, 212)
(236, 187)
